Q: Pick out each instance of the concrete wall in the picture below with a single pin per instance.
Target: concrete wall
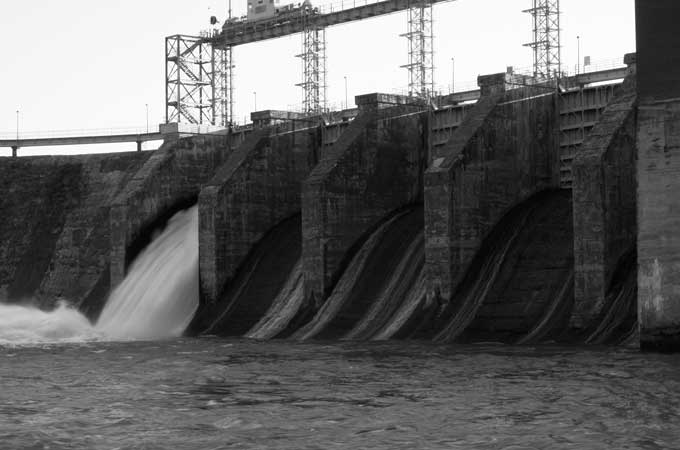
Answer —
(257, 187)
(54, 236)
(604, 202)
(170, 179)
(374, 168)
(658, 173)
(504, 151)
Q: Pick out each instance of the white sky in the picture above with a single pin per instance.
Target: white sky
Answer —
(84, 64)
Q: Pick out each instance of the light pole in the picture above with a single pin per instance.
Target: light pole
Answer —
(453, 76)
(578, 54)
(147, 117)
(346, 104)
(15, 147)
(255, 101)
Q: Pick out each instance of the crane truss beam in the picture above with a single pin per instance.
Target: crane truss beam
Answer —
(240, 32)
(546, 38)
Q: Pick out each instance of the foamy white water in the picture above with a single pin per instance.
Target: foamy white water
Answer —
(159, 296)
(23, 325)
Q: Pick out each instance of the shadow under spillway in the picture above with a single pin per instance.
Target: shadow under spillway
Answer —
(519, 286)
(268, 278)
(383, 278)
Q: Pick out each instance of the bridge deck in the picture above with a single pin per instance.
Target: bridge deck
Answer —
(80, 140)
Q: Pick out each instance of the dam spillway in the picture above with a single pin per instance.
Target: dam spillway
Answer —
(467, 165)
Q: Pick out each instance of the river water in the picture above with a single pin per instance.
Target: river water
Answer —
(210, 393)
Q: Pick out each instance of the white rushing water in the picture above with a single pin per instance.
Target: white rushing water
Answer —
(157, 299)
(23, 325)
(159, 296)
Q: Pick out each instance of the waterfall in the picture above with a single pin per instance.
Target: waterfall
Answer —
(159, 296)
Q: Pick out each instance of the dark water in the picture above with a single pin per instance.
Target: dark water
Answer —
(211, 393)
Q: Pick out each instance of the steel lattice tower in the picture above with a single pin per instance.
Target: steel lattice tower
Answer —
(420, 49)
(198, 81)
(313, 58)
(223, 86)
(546, 35)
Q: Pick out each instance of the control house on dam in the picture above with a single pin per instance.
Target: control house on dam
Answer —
(538, 208)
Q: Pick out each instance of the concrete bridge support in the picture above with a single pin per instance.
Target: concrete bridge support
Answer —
(658, 171)
(604, 203)
(504, 151)
(373, 169)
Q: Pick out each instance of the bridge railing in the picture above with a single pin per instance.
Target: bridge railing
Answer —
(49, 134)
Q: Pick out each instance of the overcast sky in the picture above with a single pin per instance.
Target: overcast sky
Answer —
(83, 64)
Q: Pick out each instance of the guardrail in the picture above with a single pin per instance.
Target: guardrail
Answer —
(49, 134)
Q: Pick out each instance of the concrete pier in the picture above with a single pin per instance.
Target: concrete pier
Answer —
(373, 169)
(504, 151)
(257, 187)
(604, 201)
(658, 172)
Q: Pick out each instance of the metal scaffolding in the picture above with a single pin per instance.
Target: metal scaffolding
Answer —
(420, 49)
(198, 80)
(313, 58)
(546, 34)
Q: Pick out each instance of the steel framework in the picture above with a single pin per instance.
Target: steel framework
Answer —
(223, 86)
(198, 81)
(546, 34)
(420, 49)
(313, 58)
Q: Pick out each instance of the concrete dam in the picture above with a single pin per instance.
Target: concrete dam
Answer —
(535, 213)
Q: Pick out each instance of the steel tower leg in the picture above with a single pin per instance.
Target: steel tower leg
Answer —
(189, 83)
(223, 86)
(313, 58)
(420, 49)
(546, 35)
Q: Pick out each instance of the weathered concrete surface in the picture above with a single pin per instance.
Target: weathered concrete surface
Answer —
(55, 235)
(504, 151)
(374, 168)
(658, 42)
(171, 179)
(604, 202)
(257, 187)
(659, 225)
(658, 172)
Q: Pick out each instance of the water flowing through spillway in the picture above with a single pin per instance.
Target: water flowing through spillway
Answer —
(156, 300)
(159, 296)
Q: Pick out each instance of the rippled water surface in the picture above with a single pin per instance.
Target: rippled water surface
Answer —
(210, 394)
